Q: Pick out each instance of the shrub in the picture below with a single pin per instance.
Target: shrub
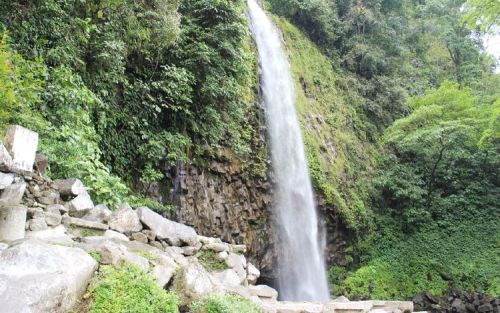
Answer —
(130, 289)
(210, 262)
(224, 304)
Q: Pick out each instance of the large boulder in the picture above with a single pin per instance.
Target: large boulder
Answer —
(70, 187)
(125, 220)
(13, 194)
(238, 263)
(55, 235)
(78, 222)
(163, 269)
(5, 180)
(175, 233)
(100, 213)
(80, 205)
(263, 291)
(39, 277)
(21, 143)
(253, 273)
(5, 158)
(114, 252)
(12, 222)
(193, 281)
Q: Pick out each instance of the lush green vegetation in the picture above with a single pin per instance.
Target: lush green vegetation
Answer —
(401, 119)
(224, 304)
(122, 90)
(437, 200)
(208, 259)
(130, 289)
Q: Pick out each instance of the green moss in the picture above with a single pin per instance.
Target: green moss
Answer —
(208, 259)
(130, 289)
(224, 304)
(339, 158)
(148, 255)
(84, 231)
(96, 255)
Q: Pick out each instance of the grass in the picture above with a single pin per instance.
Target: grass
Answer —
(128, 288)
(208, 259)
(224, 304)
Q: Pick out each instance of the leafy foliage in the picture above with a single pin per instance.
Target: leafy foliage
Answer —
(125, 89)
(224, 304)
(130, 289)
(438, 197)
(482, 13)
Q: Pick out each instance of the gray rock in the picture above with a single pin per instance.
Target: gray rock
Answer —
(41, 162)
(125, 220)
(55, 235)
(100, 213)
(21, 143)
(341, 299)
(263, 291)
(62, 209)
(252, 273)
(6, 180)
(140, 237)
(13, 194)
(70, 187)
(150, 234)
(216, 247)
(189, 251)
(12, 222)
(228, 278)
(53, 216)
(49, 197)
(80, 205)
(194, 281)
(222, 256)
(5, 158)
(238, 263)
(39, 277)
(111, 234)
(38, 224)
(163, 269)
(174, 233)
(67, 220)
(238, 248)
(157, 244)
(114, 252)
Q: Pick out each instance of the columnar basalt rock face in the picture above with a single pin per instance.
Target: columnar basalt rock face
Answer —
(220, 202)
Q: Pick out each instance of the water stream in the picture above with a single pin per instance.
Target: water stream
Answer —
(302, 275)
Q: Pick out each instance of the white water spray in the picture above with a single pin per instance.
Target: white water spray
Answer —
(302, 275)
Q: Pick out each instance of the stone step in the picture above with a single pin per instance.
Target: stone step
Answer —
(373, 306)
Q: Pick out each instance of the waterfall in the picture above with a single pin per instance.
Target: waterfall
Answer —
(302, 275)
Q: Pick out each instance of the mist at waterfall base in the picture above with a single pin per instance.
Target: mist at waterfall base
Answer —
(301, 274)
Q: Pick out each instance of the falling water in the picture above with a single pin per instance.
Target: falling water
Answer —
(302, 275)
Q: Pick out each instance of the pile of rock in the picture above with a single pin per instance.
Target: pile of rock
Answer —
(458, 301)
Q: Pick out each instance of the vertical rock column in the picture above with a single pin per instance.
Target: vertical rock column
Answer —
(17, 155)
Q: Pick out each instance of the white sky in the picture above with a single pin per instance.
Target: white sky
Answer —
(492, 46)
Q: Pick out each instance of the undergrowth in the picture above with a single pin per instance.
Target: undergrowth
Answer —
(209, 260)
(224, 304)
(130, 289)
